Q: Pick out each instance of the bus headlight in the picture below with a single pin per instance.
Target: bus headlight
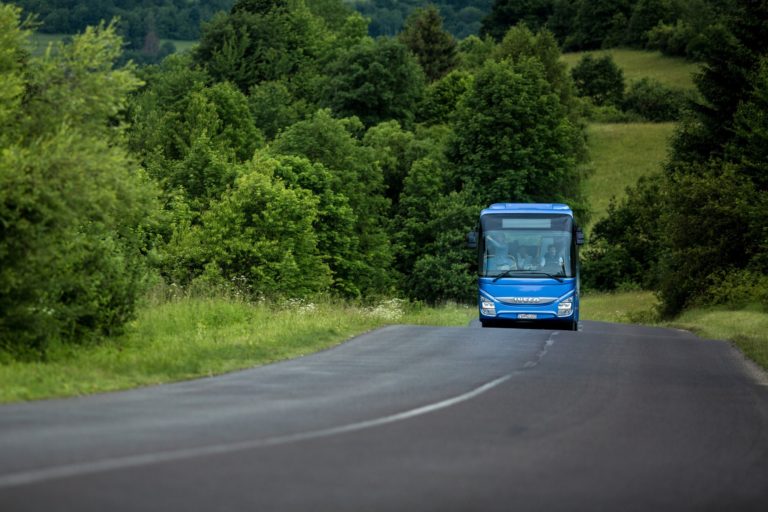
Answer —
(565, 308)
(487, 308)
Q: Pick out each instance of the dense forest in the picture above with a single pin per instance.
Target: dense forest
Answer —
(291, 154)
(676, 27)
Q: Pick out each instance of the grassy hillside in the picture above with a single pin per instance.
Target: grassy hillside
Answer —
(621, 153)
(636, 64)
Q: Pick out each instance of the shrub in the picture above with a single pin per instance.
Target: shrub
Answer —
(735, 288)
(599, 79)
(655, 101)
(77, 214)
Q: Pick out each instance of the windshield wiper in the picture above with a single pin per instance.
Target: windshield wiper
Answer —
(504, 274)
(556, 277)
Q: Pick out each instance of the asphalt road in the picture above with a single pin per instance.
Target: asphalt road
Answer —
(408, 418)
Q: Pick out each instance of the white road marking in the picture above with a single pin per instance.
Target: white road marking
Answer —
(131, 461)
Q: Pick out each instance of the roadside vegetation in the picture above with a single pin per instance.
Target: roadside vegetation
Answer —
(184, 337)
(349, 168)
(745, 326)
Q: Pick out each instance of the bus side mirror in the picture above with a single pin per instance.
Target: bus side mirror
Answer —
(472, 239)
(579, 237)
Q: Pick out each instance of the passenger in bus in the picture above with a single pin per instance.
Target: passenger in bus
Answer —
(527, 260)
(552, 262)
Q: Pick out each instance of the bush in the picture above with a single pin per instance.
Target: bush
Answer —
(735, 288)
(680, 39)
(627, 245)
(77, 215)
(654, 101)
(259, 233)
(599, 79)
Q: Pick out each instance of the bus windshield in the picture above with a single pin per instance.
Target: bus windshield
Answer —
(526, 245)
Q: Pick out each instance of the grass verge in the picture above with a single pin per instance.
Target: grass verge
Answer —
(627, 307)
(190, 338)
(747, 328)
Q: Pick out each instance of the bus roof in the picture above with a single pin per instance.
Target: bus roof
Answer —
(527, 208)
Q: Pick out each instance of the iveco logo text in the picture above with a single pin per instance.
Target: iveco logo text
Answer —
(525, 300)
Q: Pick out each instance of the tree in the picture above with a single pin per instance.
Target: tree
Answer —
(434, 48)
(514, 141)
(599, 79)
(189, 140)
(260, 234)
(376, 82)
(261, 40)
(356, 175)
(713, 230)
(646, 14)
(508, 13)
(77, 214)
(519, 43)
(599, 23)
(442, 97)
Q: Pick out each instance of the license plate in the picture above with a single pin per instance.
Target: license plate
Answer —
(526, 316)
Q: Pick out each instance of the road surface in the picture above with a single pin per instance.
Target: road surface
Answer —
(613, 417)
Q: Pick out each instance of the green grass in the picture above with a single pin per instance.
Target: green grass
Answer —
(747, 328)
(622, 307)
(621, 153)
(190, 338)
(637, 64)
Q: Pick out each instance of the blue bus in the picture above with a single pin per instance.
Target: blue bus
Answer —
(528, 265)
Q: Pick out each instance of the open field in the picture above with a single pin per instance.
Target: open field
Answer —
(637, 64)
(621, 153)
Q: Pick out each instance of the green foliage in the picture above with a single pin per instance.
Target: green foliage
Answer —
(599, 79)
(514, 141)
(646, 15)
(190, 135)
(626, 246)
(462, 17)
(442, 97)
(474, 51)
(334, 226)
(735, 288)
(434, 48)
(446, 269)
(252, 44)
(508, 13)
(749, 145)
(686, 28)
(395, 152)
(77, 214)
(357, 176)
(598, 23)
(274, 107)
(376, 81)
(138, 20)
(714, 224)
(654, 101)
(520, 43)
(260, 233)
